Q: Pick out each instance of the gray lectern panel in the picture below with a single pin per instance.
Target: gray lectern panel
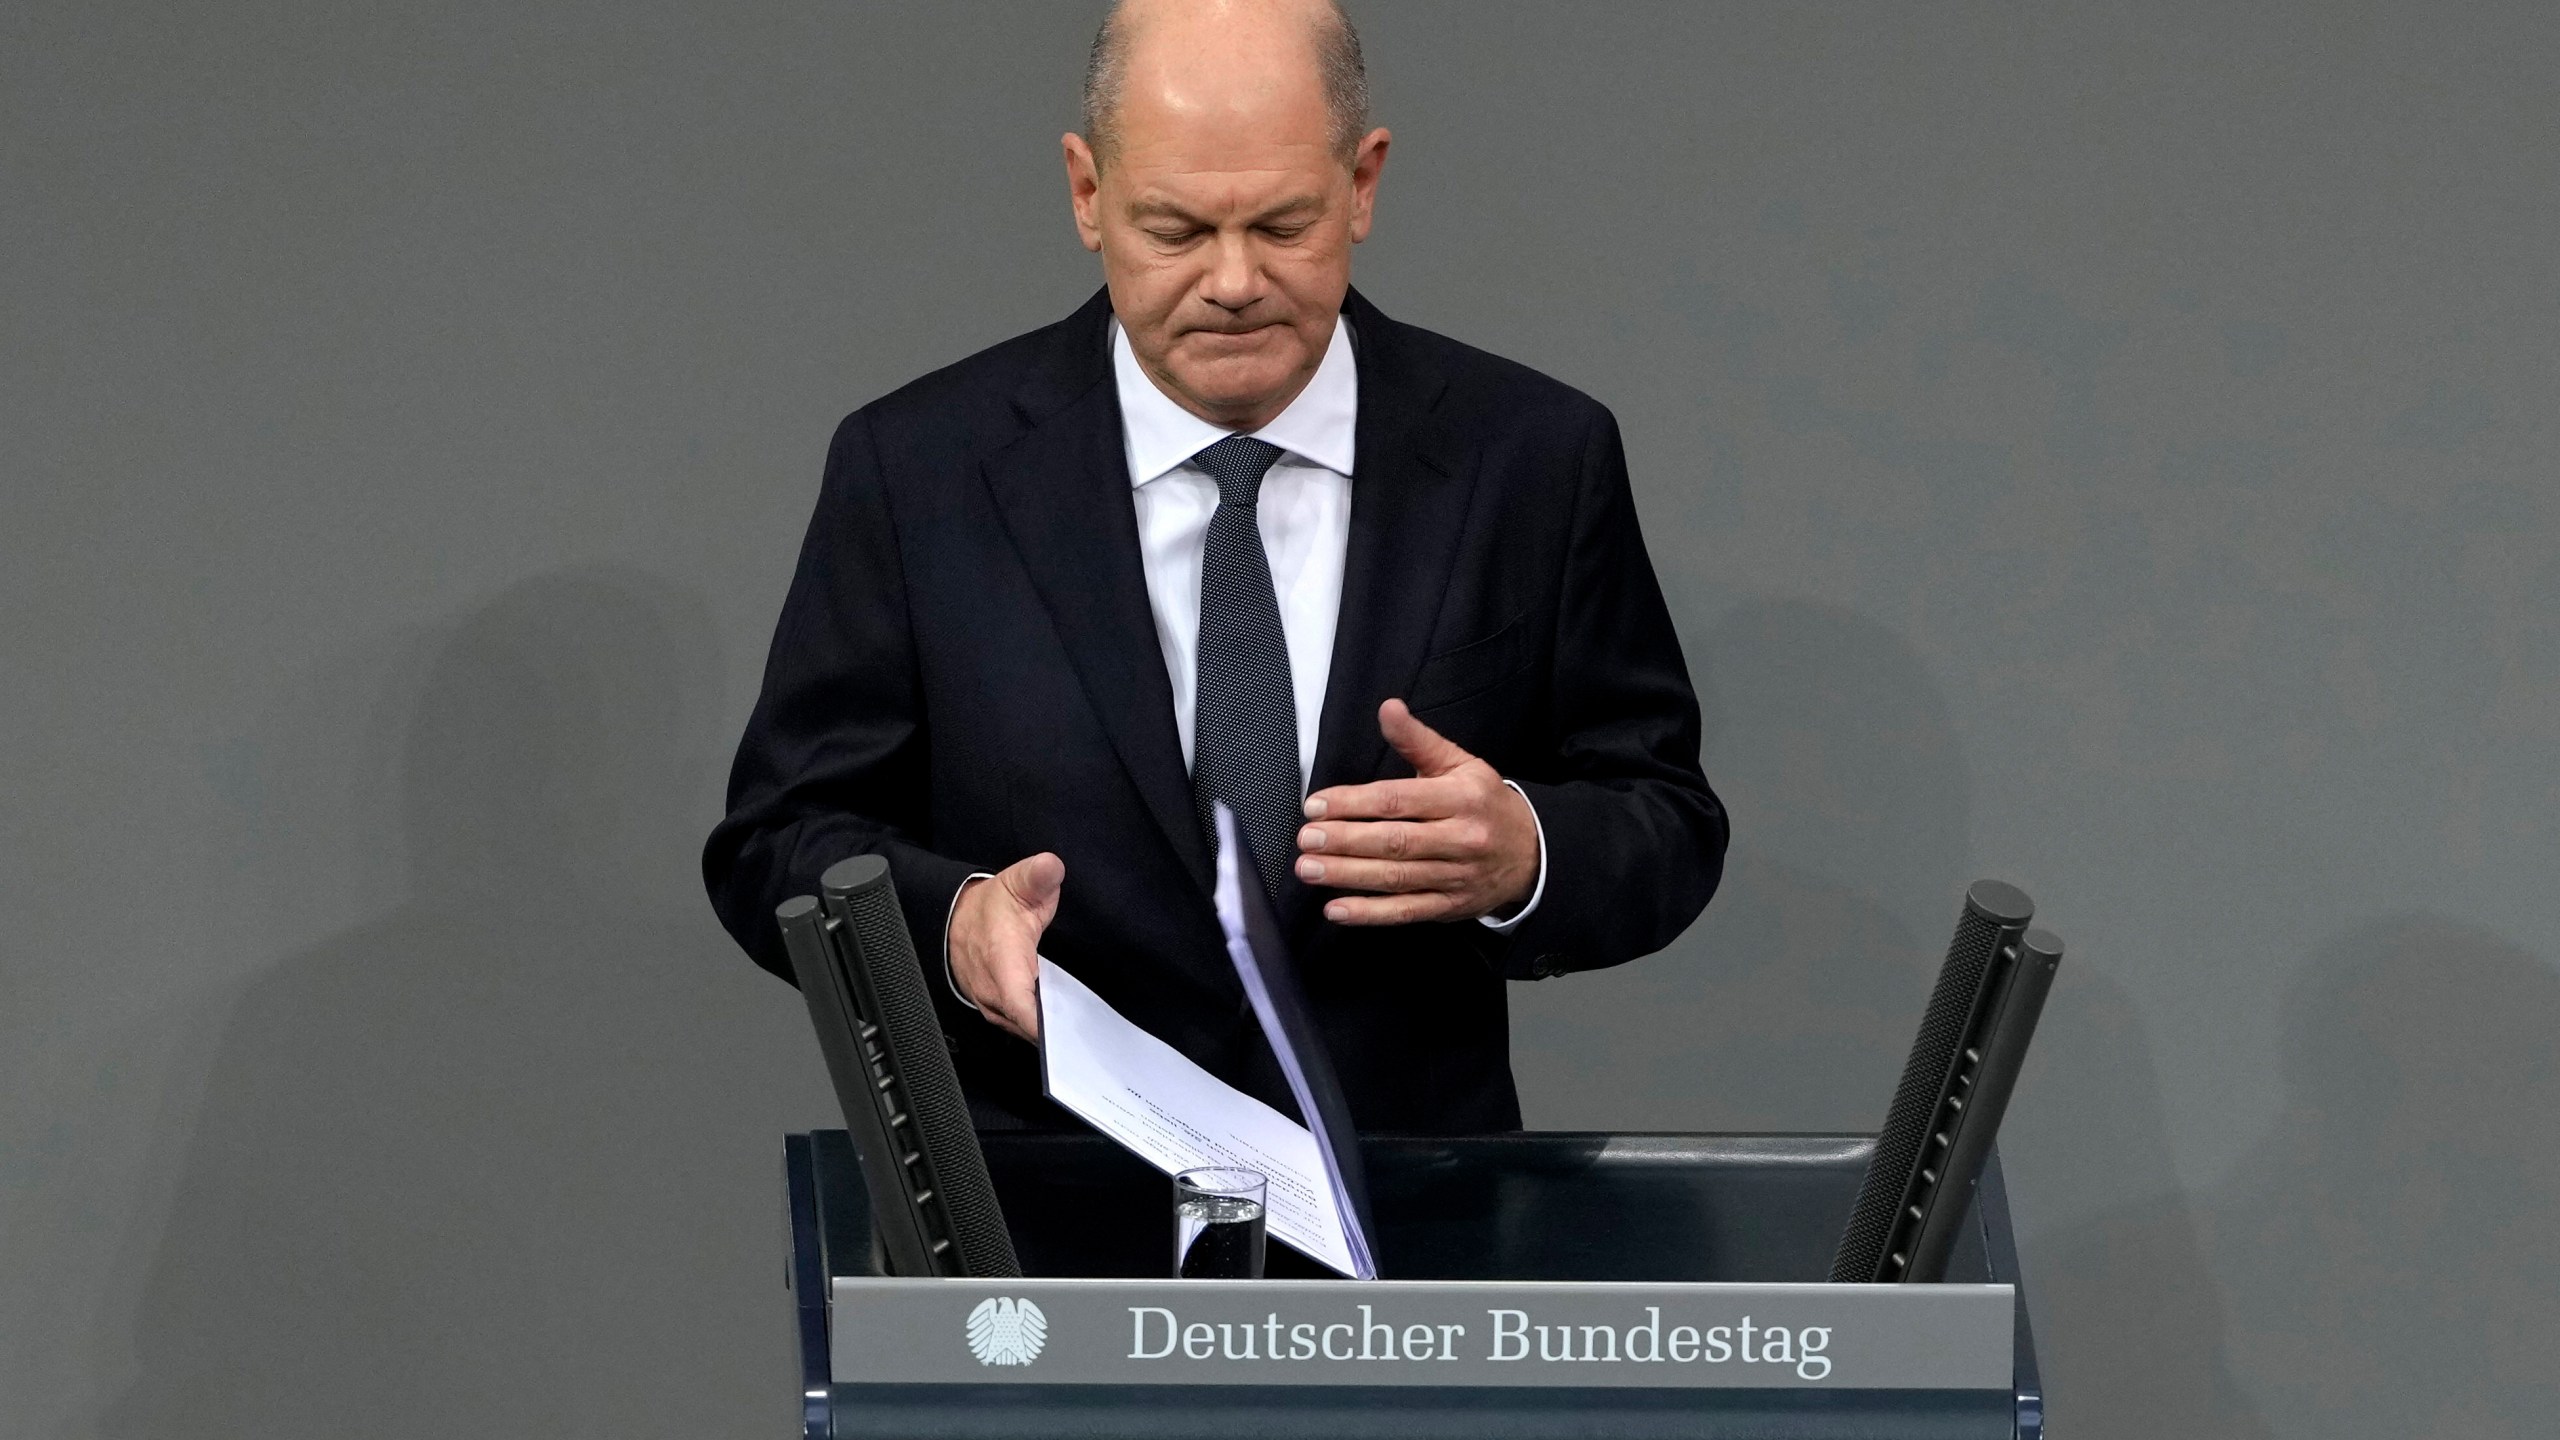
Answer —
(1443, 1333)
(1708, 1231)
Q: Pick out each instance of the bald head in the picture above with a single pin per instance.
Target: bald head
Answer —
(1203, 52)
(1238, 182)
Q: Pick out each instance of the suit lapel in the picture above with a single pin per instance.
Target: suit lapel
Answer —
(1411, 483)
(1063, 490)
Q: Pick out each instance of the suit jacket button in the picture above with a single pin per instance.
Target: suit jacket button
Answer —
(1546, 967)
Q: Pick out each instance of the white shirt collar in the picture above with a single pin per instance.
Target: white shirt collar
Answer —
(1317, 427)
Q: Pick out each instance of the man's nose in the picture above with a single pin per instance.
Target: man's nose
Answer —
(1234, 280)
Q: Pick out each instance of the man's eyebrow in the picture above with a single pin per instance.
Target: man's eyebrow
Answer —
(1167, 210)
(1294, 205)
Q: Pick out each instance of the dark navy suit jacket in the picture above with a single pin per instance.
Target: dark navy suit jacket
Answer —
(966, 672)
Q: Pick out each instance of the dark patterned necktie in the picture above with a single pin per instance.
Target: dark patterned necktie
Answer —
(1244, 719)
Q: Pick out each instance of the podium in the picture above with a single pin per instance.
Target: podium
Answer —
(1637, 1231)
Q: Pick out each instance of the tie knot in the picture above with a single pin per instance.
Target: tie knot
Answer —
(1238, 464)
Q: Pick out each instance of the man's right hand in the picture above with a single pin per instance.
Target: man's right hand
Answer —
(995, 940)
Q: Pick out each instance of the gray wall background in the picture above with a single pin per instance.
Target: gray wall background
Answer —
(2107, 448)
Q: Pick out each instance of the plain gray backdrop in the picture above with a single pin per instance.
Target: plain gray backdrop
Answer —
(2108, 448)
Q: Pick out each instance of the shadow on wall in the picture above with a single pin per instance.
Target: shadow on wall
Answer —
(1852, 823)
(2389, 1257)
(502, 1162)
(2393, 1250)
(2129, 1317)
(1790, 1005)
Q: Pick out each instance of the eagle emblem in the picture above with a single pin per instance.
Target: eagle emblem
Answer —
(1005, 1331)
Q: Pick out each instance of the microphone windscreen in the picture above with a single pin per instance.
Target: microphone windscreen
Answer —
(912, 1033)
(1994, 914)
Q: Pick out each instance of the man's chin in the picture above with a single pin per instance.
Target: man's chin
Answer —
(1240, 382)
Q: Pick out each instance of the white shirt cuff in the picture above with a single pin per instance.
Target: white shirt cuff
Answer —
(953, 981)
(1536, 892)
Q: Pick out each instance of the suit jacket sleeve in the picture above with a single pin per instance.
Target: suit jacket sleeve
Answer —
(834, 760)
(1635, 838)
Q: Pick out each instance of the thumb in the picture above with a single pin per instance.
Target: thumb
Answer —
(1428, 751)
(1034, 882)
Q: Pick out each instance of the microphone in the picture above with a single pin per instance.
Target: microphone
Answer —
(933, 1206)
(1954, 1089)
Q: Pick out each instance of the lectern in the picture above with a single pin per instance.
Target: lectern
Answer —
(1537, 1285)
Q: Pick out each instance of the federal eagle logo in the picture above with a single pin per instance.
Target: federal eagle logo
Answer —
(1005, 1331)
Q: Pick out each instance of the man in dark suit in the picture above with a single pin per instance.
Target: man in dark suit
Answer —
(1229, 533)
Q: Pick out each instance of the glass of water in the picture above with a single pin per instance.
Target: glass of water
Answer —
(1218, 1224)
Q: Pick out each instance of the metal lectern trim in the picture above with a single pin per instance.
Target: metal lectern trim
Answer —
(2000, 1252)
(805, 1274)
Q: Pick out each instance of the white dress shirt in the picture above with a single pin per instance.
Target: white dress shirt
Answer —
(1304, 510)
(1305, 514)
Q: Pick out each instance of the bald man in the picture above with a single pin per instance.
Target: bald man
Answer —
(1230, 534)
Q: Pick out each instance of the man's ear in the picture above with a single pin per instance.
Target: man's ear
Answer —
(1084, 189)
(1366, 162)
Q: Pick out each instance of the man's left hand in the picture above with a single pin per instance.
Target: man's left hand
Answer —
(1453, 843)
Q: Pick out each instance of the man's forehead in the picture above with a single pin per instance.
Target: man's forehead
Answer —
(1227, 125)
(1224, 175)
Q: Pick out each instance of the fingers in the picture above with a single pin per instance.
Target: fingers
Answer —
(995, 941)
(1034, 882)
(1460, 838)
(1452, 843)
(1418, 908)
(1434, 798)
(1438, 790)
(1384, 876)
(1427, 750)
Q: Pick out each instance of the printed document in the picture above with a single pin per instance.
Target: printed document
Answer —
(1176, 1116)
